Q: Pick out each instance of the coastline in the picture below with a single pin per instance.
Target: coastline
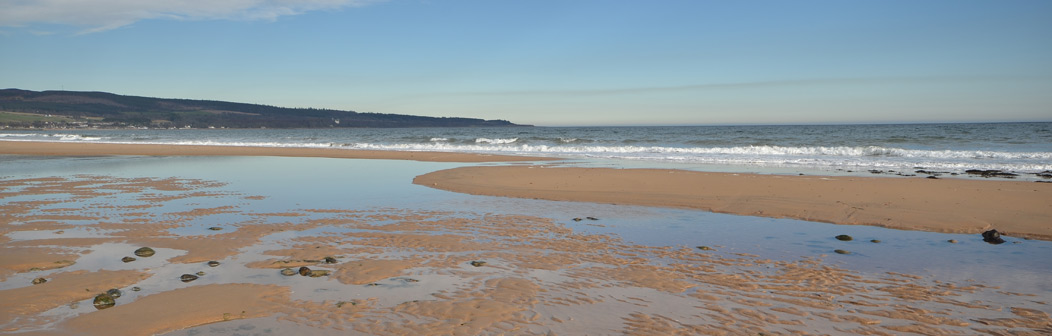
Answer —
(1014, 208)
(35, 148)
(937, 205)
(449, 267)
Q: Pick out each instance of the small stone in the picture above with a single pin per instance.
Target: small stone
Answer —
(128, 259)
(288, 272)
(952, 241)
(103, 301)
(200, 273)
(842, 251)
(577, 219)
(304, 271)
(875, 241)
(592, 218)
(478, 263)
(705, 248)
(844, 238)
(144, 252)
(187, 277)
(38, 281)
(411, 280)
(115, 293)
(318, 273)
(60, 232)
(215, 228)
(330, 260)
(213, 263)
(136, 289)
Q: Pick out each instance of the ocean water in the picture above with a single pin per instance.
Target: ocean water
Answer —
(1024, 148)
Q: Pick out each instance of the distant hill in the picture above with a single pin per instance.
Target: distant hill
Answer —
(23, 108)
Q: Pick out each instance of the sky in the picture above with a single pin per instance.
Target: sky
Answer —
(553, 63)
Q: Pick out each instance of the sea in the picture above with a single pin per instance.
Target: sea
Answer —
(904, 149)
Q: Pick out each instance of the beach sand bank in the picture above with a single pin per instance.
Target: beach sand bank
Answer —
(103, 149)
(941, 205)
(411, 272)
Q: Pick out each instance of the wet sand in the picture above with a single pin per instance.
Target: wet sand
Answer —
(1021, 209)
(412, 272)
(403, 271)
(102, 149)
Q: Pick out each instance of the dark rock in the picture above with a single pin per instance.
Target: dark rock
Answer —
(136, 289)
(592, 218)
(288, 272)
(144, 252)
(952, 241)
(993, 237)
(304, 271)
(213, 263)
(577, 219)
(990, 173)
(330, 260)
(128, 259)
(1045, 174)
(705, 248)
(844, 238)
(215, 228)
(115, 293)
(874, 171)
(187, 277)
(38, 281)
(478, 263)
(874, 241)
(933, 177)
(200, 273)
(842, 251)
(103, 301)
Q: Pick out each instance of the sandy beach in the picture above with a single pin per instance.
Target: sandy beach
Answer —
(939, 205)
(473, 270)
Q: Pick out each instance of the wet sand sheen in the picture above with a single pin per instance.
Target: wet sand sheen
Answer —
(943, 205)
(410, 272)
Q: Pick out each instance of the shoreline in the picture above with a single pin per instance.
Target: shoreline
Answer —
(941, 205)
(40, 148)
(1014, 208)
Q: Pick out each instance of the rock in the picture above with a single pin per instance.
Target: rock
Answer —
(932, 177)
(705, 248)
(842, 251)
(288, 272)
(200, 273)
(136, 289)
(213, 263)
(952, 241)
(304, 271)
(187, 277)
(114, 293)
(38, 281)
(410, 280)
(993, 237)
(215, 228)
(577, 219)
(330, 260)
(318, 273)
(60, 232)
(990, 173)
(144, 252)
(103, 301)
(844, 238)
(592, 218)
(478, 263)
(875, 241)
(128, 259)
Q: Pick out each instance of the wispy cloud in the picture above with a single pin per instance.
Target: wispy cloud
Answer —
(101, 15)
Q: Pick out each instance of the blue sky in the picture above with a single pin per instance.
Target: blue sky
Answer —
(554, 62)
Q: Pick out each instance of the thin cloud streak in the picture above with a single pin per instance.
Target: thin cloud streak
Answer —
(102, 15)
(757, 85)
